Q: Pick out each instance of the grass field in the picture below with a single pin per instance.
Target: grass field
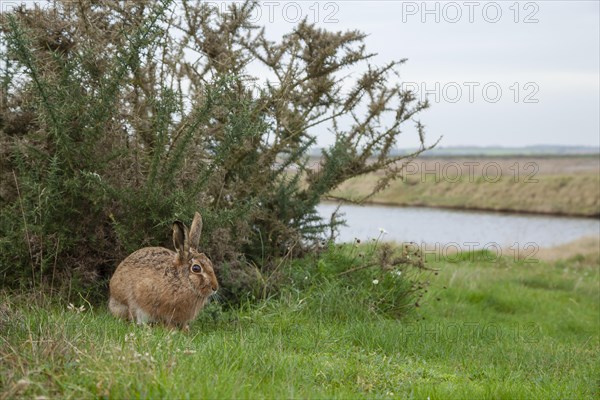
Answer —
(501, 329)
(549, 185)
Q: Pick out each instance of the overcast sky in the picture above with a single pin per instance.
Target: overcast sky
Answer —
(497, 73)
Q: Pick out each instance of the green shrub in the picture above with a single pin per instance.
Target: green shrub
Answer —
(357, 281)
(109, 132)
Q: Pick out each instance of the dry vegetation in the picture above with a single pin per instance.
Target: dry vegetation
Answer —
(551, 185)
(586, 248)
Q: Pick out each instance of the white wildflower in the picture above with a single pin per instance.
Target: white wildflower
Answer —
(375, 281)
(78, 310)
(383, 231)
(22, 384)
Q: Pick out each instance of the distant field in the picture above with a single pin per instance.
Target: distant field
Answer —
(494, 151)
(567, 185)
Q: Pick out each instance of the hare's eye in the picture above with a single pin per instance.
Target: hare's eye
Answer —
(196, 269)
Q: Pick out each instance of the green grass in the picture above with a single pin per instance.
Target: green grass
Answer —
(483, 330)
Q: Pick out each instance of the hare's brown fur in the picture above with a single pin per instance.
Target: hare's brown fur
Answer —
(157, 284)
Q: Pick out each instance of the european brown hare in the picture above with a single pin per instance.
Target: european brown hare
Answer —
(155, 284)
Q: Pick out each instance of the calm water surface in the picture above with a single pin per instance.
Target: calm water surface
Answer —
(439, 226)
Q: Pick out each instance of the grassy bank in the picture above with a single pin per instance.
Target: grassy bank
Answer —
(561, 186)
(504, 329)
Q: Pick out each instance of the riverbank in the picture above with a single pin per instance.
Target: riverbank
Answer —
(568, 186)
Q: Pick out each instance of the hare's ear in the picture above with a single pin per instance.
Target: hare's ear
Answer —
(179, 239)
(195, 231)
